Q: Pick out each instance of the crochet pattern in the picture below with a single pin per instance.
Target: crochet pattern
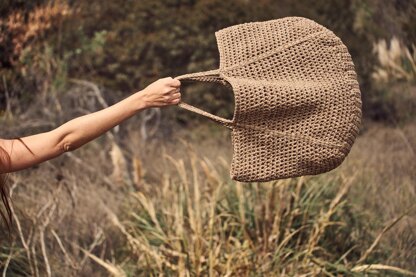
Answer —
(297, 98)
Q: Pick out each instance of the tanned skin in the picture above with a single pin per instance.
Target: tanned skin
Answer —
(31, 150)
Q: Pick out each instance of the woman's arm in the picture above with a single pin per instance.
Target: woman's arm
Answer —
(31, 150)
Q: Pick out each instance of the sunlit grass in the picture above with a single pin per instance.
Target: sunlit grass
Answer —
(185, 217)
(202, 224)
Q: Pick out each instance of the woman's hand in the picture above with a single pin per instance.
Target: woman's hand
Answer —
(162, 92)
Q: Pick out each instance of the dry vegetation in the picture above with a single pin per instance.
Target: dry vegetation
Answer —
(150, 199)
(135, 207)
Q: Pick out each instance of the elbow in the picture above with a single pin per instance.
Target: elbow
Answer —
(63, 140)
(70, 144)
(67, 142)
(66, 147)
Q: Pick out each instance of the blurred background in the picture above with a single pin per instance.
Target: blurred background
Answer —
(153, 196)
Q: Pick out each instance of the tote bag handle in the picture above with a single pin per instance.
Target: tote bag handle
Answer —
(206, 76)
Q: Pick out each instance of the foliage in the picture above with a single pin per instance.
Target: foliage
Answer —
(127, 206)
(395, 79)
(125, 46)
(28, 64)
(224, 228)
(201, 224)
(131, 212)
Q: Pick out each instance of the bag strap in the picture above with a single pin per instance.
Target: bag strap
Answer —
(205, 76)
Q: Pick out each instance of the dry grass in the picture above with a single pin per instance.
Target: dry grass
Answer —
(384, 158)
(396, 61)
(395, 81)
(167, 207)
(198, 222)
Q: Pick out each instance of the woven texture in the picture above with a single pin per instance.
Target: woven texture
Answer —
(297, 99)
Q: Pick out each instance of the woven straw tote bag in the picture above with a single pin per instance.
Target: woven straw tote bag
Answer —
(297, 99)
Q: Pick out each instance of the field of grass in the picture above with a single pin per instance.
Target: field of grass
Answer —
(167, 207)
(153, 197)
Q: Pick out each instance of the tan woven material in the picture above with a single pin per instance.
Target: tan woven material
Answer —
(297, 99)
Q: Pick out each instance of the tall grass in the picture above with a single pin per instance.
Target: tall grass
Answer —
(395, 80)
(183, 216)
(203, 224)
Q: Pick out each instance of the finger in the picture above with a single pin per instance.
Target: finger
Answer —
(176, 95)
(172, 91)
(175, 101)
(175, 83)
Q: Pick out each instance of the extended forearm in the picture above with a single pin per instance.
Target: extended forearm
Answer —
(30, 150)
(81, 130)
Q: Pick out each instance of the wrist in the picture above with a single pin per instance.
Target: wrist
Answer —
(139, 99)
